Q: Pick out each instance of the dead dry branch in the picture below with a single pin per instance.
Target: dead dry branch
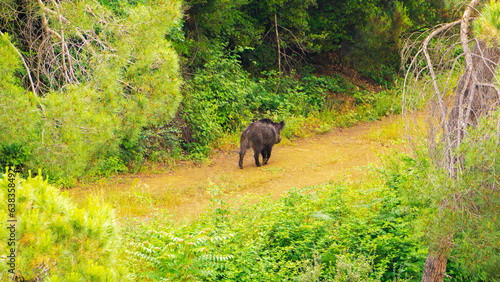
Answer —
(51, 46)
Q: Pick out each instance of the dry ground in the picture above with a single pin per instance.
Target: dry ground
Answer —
(185, 191)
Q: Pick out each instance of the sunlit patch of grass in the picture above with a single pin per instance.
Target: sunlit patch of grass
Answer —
(134, 199)
(323, 128)
(274, 169)
(295, 127)
(228, 141)
(390, 133)
(287, 142)
(137, 200)
(316, 166)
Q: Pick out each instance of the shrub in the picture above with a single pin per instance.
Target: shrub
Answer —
(56, 240)
(472, 201)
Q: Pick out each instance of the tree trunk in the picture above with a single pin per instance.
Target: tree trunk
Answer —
(485, 60)
(435, 264)
(469, 104)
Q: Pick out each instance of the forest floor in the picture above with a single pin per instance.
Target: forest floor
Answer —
(184, 192)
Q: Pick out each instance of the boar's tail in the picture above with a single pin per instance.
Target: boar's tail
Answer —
(244, 143)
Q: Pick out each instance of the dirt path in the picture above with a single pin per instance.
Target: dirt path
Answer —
(186, 191)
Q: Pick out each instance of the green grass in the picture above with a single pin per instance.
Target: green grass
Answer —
(392, 133)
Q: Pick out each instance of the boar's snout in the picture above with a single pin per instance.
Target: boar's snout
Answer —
(279, 127)
(278, 138)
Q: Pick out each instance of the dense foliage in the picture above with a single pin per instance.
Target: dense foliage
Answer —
(123, 77)
(294, 32)
(54, 239)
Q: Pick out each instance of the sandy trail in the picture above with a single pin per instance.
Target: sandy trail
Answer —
(187, 190)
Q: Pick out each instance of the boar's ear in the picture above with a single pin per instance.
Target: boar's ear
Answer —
(282, 124)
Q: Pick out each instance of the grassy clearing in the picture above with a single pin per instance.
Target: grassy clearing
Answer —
(391, 133)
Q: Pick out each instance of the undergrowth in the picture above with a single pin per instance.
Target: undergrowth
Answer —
(53, 239)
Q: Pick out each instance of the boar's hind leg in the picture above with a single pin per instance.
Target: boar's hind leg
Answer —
(266, 154)
(257, 152)
(244, 146)
(242, 154)
(256, 156)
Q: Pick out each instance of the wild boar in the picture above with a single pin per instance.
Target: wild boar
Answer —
(261, 136)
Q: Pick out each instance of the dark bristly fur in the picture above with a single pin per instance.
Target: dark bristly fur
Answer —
(261, 136)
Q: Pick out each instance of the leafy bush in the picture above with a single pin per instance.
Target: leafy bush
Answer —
(217, 99)
(159, 143)
(56, 240)
(472, 200)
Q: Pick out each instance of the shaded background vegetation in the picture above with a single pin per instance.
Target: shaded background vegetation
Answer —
(283, 58)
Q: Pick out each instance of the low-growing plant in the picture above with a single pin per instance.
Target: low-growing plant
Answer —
(105, 167)
(349, 268)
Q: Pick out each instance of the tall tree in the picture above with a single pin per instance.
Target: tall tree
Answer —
(94, 76)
